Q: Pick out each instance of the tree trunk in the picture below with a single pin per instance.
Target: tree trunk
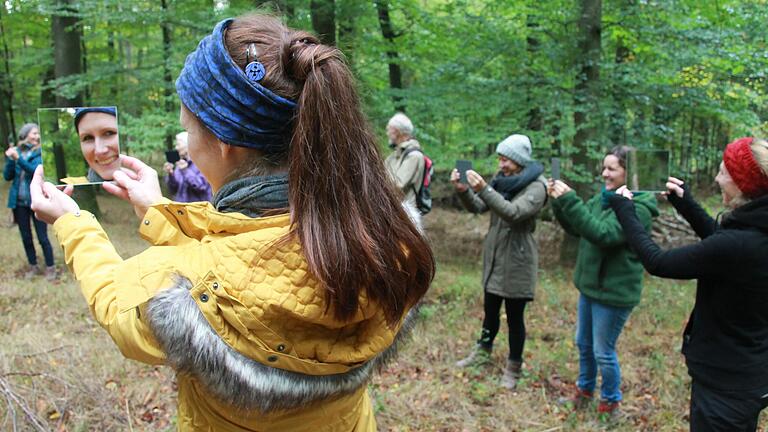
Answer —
(47, 94)
(587, 89)
(395, 74)
(323, 14)
(586, 94)
(7, 124)
(6, 113)
(66, 32)
(532, 46)
(111, 56)
(348, 10)
(618, 93)
(167, 78)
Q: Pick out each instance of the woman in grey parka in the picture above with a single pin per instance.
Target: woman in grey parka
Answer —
(510, 256)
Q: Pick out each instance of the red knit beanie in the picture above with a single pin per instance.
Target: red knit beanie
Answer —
(743, 168)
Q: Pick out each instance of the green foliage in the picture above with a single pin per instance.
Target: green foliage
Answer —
(687, 76)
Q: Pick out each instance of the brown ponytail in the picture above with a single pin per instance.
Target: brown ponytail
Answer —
(344, 209)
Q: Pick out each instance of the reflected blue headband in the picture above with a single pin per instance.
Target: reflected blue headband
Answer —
(238, 111)
(80, 112)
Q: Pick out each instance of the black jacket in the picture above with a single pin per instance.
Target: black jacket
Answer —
(726, 341)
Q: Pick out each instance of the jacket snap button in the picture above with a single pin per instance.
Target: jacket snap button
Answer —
(146, 221)
(204, 298)
(272, 358)
(215, 285)
(281, 347)
(180, 212)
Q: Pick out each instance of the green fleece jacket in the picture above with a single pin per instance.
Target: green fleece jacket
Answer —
(606, 269)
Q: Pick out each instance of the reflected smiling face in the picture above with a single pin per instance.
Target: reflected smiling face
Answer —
(99, 143)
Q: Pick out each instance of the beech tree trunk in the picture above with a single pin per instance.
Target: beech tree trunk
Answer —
(395, 74)
(67, 37)
(323, 14)
(586, 94)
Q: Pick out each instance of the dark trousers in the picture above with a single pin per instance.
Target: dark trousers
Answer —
(23, 215)
(515, 310)
(715, 410)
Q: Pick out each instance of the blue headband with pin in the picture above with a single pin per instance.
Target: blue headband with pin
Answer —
(254, 70)
(231, 102)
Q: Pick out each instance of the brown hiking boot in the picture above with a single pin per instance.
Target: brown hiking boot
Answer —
(579, 399)
(511, 374)
(479, 356)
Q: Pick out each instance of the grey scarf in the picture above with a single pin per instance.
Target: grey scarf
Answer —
(252, 196)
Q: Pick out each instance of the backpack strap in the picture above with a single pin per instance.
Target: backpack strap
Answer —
(424, 171)
(409, 151)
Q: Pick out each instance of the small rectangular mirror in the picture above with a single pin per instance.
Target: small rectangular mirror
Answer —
(647, 170)
(79, 146)
(463, 166)
(555, 168)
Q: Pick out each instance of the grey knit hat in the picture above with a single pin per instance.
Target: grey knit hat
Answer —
(516, 147)
(26, 129)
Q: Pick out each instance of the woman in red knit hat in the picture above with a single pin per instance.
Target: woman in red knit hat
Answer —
(726, 340)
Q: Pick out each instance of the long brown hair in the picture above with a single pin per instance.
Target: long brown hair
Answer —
(345, 211)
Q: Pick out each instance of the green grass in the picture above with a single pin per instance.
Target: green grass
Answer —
(65, 370)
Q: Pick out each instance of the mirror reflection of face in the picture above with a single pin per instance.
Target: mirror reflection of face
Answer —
(613, 173)
(99, 143)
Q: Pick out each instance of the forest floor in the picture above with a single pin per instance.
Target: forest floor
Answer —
(59, 371)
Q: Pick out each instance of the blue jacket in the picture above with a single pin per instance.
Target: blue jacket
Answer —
(13, 171)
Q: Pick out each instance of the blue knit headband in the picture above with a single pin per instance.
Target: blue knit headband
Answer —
(238, 111)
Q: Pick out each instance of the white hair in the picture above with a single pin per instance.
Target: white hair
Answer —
(402, 123)
(182, 136)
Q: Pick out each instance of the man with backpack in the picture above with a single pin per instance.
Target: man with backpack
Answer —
(408, 166)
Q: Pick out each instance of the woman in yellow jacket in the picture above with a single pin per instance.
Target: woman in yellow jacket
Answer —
(276, 302)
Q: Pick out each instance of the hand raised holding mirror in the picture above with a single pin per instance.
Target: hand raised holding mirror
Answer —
(79, 145)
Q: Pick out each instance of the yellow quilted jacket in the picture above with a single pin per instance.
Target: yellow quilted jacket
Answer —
(239, 318)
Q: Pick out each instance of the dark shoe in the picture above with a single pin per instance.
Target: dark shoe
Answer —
(511, 374)
(579, 399)
(479, 356)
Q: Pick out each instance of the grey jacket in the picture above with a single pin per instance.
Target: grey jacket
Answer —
(407, 172)
(510, 253)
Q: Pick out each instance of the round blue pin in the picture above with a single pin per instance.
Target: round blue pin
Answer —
(255, 71)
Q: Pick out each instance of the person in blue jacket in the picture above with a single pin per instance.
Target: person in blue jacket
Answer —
(20, 164)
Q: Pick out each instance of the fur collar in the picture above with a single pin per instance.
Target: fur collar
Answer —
(193, 347)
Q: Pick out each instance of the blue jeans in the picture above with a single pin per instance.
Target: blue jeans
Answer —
(597, 331)
(23, 216)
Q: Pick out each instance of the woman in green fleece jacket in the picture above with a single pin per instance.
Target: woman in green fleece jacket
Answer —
(608, 275)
